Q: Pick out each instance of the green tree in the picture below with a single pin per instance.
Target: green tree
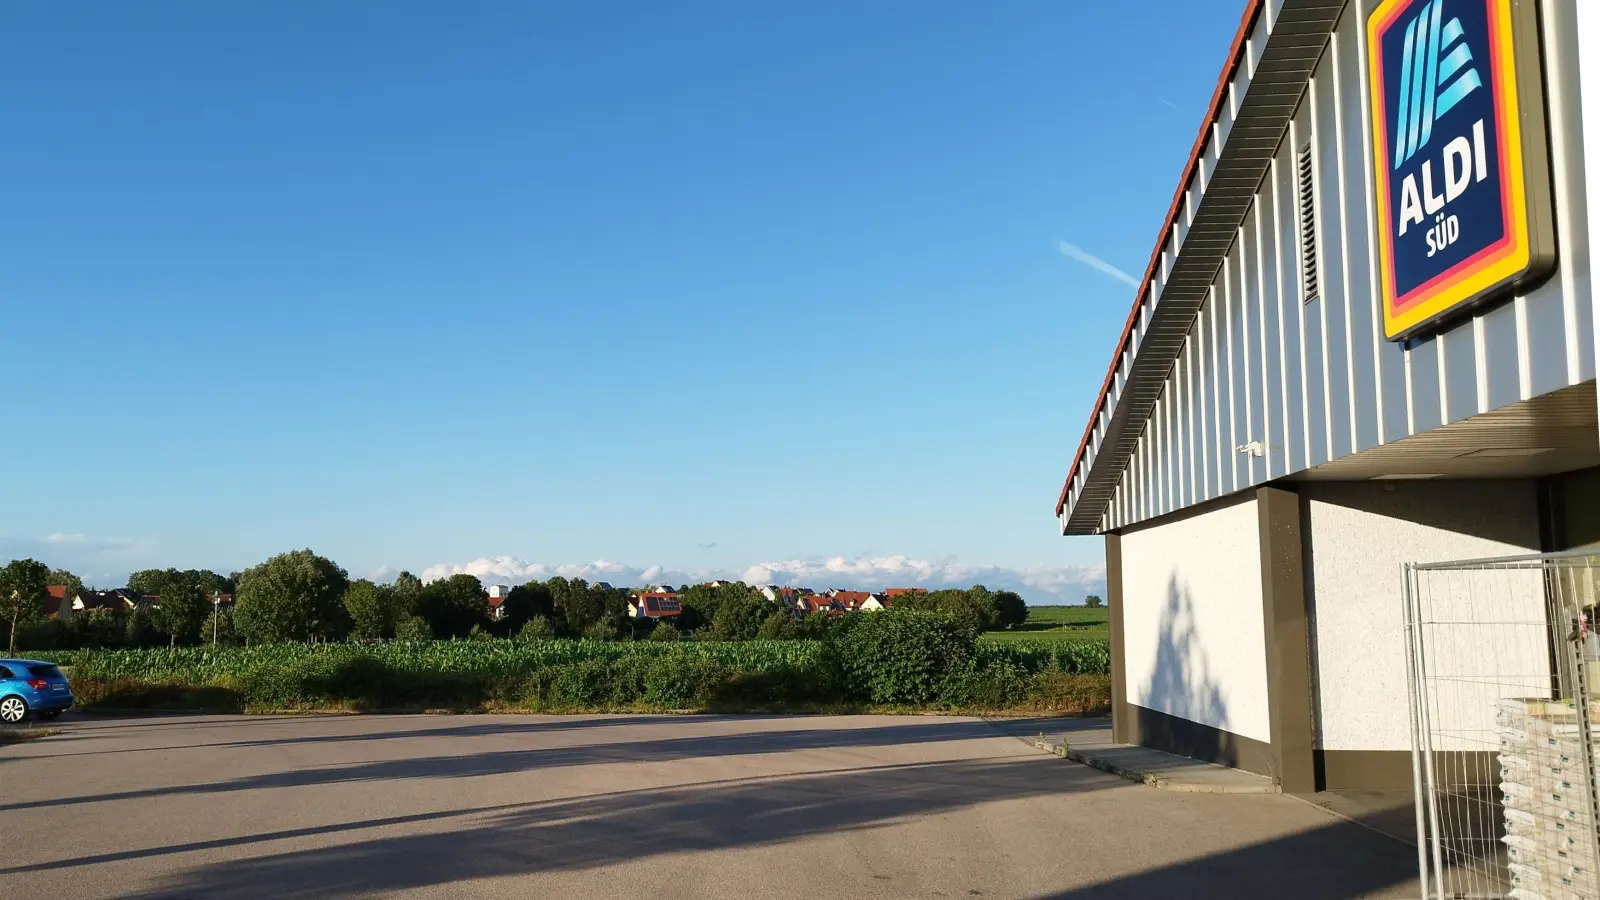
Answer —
(1010, 610)
(148, 581)
(780, 626)
(819, 625)
(73, 584)
(601, 631)
(740, 615)
(525, 603)
(664, 631)
(24, 585)
(975, 607)
(183, 606)
(219, 623)
(1093, 601)
(140, 628)
(372, 609)
(99, 628)
(452, 606)
(407, 590)
(293, 596)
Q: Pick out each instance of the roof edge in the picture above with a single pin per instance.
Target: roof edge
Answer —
(1235, 51)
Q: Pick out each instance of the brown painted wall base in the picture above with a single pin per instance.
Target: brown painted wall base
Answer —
(1390, 770)
(1185, 738)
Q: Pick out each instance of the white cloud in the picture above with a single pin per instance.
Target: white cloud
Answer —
(1038, 584)
(1073, 251)
(102, 562)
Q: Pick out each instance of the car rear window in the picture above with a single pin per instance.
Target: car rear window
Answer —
(45, 671)
(6, 673)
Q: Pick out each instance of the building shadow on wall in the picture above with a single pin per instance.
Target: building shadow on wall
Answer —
(1183, 709)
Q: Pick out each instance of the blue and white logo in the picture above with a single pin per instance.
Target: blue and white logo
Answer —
(1435, 74)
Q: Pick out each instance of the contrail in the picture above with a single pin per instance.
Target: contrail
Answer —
(1095, 262)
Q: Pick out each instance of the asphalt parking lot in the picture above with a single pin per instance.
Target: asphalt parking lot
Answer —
(644, 806)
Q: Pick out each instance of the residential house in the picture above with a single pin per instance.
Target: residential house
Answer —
(788, 596)
(891, 593)
(497, 597)
(849, 601)
(813, 603)
(654, 605)
(55, 601)
(873, 603)
(121, 599)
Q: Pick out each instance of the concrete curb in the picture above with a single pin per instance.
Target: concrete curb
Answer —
(1156, 780)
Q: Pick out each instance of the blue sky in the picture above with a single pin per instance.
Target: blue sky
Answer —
(640, 289)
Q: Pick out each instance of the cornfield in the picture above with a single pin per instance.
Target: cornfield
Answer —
(567, 674)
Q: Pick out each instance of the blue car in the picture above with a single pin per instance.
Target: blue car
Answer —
(30, 687)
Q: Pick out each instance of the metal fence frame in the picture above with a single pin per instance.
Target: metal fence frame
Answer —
(1462, 807)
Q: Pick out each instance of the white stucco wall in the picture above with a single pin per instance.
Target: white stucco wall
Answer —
(1193, 637)
(1358, 537)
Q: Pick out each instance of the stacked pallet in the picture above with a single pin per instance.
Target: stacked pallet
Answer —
(1548, 823)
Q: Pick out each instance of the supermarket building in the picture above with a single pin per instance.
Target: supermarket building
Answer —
(1365, 337)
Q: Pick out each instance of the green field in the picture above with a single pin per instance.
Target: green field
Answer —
(1058, 623)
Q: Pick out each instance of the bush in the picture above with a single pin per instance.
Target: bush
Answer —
(537, 628)
(664, 631)
(412, 628)
(902, 656)
(601, 631)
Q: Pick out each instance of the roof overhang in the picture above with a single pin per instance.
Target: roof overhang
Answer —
(1269, 66)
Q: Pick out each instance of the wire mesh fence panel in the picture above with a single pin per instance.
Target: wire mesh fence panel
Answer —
(1501, 656)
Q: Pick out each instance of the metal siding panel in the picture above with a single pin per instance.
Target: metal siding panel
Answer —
(1334, 301)
(1243, 350)
(1159, 457)
(1255, 364)
(1272, 465)
(1547, 344)
(1460, 349)
(1169, 456)
(1568, 186)
(1258, 42)
(1389, 358)
(1499, 356)
(1206, 431)
(1231, 340)
(1191, 449)
(1359, 309)
(1424, 385)
(1219, 377)
(1308, 315)
(1224, 122)
(1288, 262)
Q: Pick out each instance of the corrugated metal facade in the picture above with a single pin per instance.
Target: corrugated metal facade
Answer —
(1313, 379)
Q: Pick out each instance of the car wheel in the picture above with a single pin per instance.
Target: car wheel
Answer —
(50, 715)
(13, 710)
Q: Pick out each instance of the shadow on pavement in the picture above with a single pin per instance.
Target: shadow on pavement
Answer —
(1336, 862)
(1339, 861)
(480, 729)
(605, 829)
(509, 761)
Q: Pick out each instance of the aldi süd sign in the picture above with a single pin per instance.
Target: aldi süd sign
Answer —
(1461, 173)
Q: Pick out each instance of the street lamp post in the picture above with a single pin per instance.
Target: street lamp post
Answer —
(216, 613)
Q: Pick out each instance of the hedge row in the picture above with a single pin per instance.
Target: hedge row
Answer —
(896, 659)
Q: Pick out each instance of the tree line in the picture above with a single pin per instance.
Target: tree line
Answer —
(303, 597)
